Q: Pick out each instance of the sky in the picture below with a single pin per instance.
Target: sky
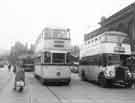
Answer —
(23, 20)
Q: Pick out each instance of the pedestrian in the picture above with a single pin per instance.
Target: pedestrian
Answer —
(19, 74)
(9, 67)
(131, 65)
(14, 69)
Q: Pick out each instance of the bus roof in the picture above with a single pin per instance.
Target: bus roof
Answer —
(91, 35)
(115, 33)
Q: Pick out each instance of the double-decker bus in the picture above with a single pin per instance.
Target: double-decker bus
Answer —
(103, 58)
(52, 56)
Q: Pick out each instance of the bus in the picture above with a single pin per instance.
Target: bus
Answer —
(103, 58)
(52, 56)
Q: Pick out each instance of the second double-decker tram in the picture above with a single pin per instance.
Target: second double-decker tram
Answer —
(104, 59)
(52, 56)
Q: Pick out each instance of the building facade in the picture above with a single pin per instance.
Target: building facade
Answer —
(123, 21)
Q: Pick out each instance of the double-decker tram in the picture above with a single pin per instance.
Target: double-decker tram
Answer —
(52, 56)
(103, 58)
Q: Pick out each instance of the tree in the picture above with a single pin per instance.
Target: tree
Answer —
(17, 50)
(75, 51)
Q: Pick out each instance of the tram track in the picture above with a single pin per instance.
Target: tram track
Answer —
(54, 94)
(58, 97)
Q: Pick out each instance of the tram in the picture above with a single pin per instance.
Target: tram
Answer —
(103, 58)
(52, 56)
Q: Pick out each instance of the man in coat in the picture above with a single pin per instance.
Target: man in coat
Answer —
(19, 73)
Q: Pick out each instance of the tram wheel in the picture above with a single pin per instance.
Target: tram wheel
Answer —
(83, 76)
(102, 81)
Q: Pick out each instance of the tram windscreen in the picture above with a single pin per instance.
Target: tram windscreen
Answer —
(58, 58)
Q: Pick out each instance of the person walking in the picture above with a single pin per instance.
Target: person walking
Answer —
(9, 67)
(19, 73)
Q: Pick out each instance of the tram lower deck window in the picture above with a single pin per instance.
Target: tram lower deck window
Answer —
(58, 58)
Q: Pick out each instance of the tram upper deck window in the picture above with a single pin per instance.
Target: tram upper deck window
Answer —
(47, 35)
(61, 34)
(56, 34)
(58, 58)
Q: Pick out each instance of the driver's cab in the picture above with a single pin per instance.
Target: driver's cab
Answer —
(116, 66)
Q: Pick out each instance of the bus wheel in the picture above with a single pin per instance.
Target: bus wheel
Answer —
(102, 81)
(83, 77)
(129, 85)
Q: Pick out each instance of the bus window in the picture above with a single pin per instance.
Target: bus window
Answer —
(47, 57)
(103, 60)
(113, 59)
(58, 58)
(99, 60)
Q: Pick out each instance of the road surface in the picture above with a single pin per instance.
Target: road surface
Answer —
(77, 92)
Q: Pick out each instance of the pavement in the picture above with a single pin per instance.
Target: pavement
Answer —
(77, 92)
(4, 77)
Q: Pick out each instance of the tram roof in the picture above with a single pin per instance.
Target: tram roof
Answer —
(55, 28)
(52, 51)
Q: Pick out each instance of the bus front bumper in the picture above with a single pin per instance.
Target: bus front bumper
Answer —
(121, 81)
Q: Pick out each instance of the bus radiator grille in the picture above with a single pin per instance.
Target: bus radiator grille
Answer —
(120, 74)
